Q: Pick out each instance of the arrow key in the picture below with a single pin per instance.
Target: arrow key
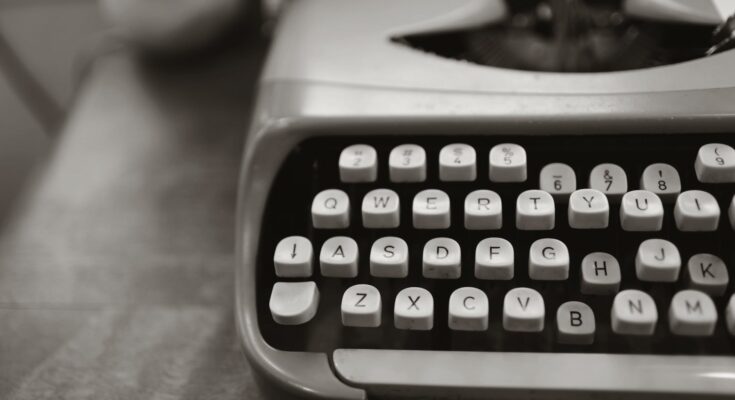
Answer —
(292, 258)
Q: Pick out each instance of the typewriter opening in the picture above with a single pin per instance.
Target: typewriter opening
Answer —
(573, 36)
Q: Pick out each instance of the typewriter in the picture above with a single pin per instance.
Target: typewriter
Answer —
(489, 199)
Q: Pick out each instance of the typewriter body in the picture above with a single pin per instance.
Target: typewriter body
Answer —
(424, 215)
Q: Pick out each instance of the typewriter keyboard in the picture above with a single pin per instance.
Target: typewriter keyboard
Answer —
(614, 244)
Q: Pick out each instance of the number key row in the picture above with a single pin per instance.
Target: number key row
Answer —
(715, 163)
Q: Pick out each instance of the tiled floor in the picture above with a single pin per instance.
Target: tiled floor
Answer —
(47, 36)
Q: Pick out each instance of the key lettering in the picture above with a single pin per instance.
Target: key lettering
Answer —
(466, 299)
(441, 252)
(494, 251)
(705, 270)
(389, 251)
(338, 252)
(598, 268)
(645, 204)
(589, 202)
(535, 202)
(696, 201)
(662, 256)
(548, 253)
(635, 307)
(431, 203)
(293, 251)
(381, 201)
(414, 303)
(575, 318)
(362, 297)
(483, 202)
(557, 181)
(522, 304)
(330, 203)
(697, 307)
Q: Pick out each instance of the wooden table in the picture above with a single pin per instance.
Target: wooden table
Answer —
(116, 271)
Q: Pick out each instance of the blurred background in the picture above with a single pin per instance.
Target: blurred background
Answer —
(41, 42)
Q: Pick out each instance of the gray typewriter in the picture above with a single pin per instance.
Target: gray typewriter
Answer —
(492, 199)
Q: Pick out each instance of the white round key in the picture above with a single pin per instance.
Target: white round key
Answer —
(457, 162)
(661, 179)
(657, 260)
(731, 212)
(633, 313)
(294, 303)
(692, 313)
(588, 209)
(715, 163)
(575, 323)
(730, 315)
(338, 257)
(468, 310)
(641, 210)
(535, 210)
(696, 211)
(358, 163)
(600, 274)
(292, 258)
(523, 310)
(431, 210)
(361, 306)
(442, 259)
(330, 209)
(381, 208)
(407, 163)
(609, 179)
(389, 258)
(494, 259)
(414, 309)
(548, 260)
(708, 273)
(508, 163)
(483, 209)
(558, 180)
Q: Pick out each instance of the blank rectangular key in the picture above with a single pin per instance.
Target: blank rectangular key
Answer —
(293, 303)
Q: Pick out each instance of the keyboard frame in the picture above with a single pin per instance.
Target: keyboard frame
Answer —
(357, 83)
(332, 375)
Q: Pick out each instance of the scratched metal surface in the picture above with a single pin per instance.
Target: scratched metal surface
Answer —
(116, 271)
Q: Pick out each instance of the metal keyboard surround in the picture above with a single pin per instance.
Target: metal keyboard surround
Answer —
(312, 166)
